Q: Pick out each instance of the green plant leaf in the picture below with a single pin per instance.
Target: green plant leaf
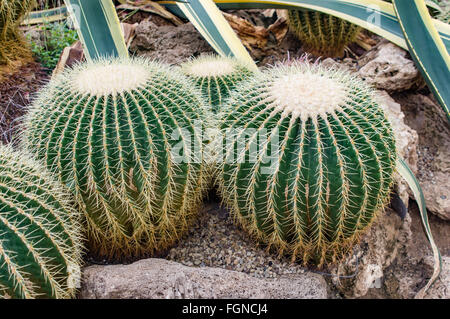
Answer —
(98, 28)
(45, 16)
(426, 48)
(211, 23)
(407, 174)
(375, 15)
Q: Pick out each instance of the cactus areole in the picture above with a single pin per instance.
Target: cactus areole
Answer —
(309, 160)
(126, 137)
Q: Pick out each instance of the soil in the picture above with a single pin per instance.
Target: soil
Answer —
(16, 93)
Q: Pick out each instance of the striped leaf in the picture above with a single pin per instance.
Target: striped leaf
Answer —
(213, 26)
(98, 28)
(375, 15)
(407, 174)
(426, 48)
(45, 16)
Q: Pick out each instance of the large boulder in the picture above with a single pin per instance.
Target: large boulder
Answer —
(162, 279)
(441, 289)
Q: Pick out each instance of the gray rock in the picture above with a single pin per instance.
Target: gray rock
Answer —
(365, 269)
(387, 67)
(429, 120)
(168, 43)
(441, 288)
(406, 138)
(162, 279)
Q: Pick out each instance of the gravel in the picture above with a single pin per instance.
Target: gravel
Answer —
(215, 241)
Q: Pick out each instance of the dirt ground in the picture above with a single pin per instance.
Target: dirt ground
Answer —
(16, 93)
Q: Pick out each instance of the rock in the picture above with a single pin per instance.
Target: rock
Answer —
(407, 139)
(364, 270)
(441, 289)
(168, 43)
(414, 263)
(389, 234)
(429, 120)
(387, 67)
(395, 260)
(163, 279)
(35, 36)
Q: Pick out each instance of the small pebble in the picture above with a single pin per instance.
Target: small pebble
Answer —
(217, 242)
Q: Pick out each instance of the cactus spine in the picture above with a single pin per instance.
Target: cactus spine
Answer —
(39, 232)
(12, 44)
(321, 33)
(310, 160)
(216, 77)
(110, 130)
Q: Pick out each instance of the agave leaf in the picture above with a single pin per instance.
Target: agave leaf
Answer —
(407, 174)
(98, 28)
(426, 48)
(213, 26)
(45, 16)
(375, 15)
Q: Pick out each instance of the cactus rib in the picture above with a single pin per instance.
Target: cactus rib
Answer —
(216, 77)
(311, 160)
(321, 33)
(40, 241)
(110, 130)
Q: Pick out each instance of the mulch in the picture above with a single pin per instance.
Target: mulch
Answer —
(16, 93)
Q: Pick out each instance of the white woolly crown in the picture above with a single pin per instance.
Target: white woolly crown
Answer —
(106, 79)
(210, 66)
(304, 95)
(304, 90)
(110, 76)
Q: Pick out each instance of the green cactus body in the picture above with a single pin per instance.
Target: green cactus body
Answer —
(322, 34)
(40, 245)
(12, 43)
(216, 77)
(308, 162)
(111, 130)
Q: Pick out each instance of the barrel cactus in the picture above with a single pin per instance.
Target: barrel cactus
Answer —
(322, 34)
(308, 162)
(216, 76)
(125, 137)
(13, 45)
(40, 246)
